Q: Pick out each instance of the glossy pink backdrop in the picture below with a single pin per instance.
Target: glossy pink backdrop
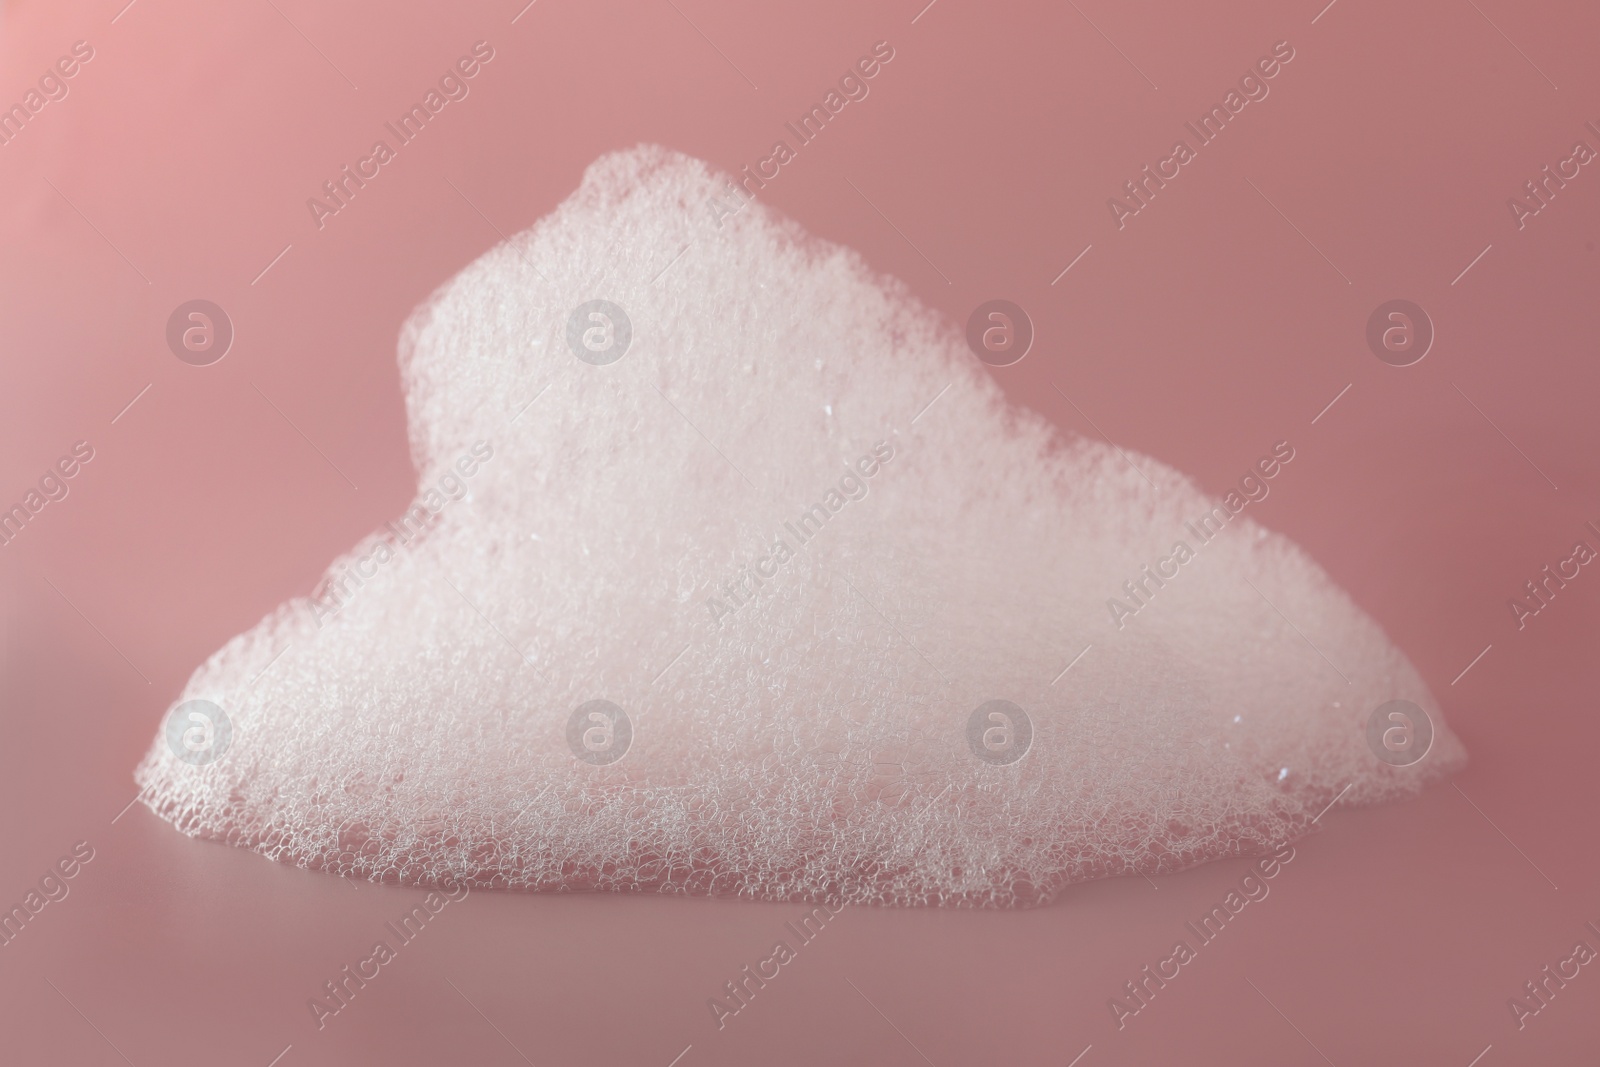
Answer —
(1225, 315)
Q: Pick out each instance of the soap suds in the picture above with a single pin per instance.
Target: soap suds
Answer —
(821, 741)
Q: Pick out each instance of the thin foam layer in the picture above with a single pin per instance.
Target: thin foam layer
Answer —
(799, 722)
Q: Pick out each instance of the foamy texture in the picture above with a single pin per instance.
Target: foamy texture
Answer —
(812, 743)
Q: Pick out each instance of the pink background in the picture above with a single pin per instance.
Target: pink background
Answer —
(1208, 328)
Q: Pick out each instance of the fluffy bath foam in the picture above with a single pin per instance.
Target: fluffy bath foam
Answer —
(732, 572)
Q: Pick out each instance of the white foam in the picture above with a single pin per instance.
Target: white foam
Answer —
(813, 743)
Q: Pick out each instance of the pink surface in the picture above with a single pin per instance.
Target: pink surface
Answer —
(1222, 317)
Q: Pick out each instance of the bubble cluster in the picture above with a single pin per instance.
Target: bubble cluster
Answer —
(528, 694)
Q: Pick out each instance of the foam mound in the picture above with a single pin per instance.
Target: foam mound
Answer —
(810, 722)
